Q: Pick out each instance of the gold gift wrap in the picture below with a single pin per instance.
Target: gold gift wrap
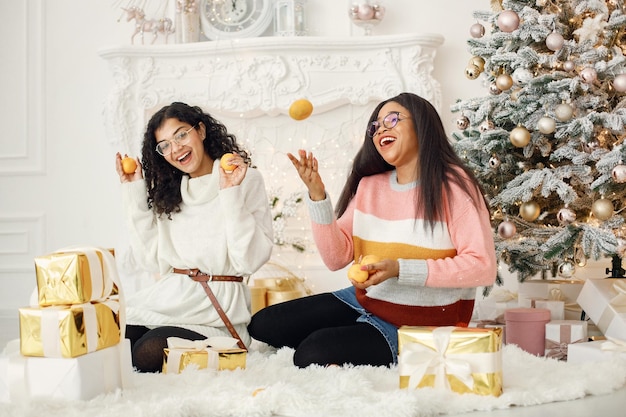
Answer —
(218, 359)
(68, 331)
(464, 360)
(73, 277)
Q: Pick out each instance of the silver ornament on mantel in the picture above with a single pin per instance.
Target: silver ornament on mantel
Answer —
(619, 174)
(566, 269)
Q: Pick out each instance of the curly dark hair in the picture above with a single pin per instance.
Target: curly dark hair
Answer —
(162, 179)
(438, 162)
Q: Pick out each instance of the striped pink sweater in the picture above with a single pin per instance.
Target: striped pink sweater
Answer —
(440, 267)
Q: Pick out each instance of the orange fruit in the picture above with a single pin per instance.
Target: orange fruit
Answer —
(369, 259)
(355, 273)
(300, 109)
(224, 162)
(129, 165)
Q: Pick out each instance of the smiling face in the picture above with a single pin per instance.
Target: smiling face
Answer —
(188, 156)
(398, 145)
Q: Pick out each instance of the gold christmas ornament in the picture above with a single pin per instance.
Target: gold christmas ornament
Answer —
(478, 61)
(529, 211)
(546, 125)
(504, 82)
(472, 72)
(602, 209)
(519, 137)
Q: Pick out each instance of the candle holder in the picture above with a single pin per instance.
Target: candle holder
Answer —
(289, 18)
(366, 13)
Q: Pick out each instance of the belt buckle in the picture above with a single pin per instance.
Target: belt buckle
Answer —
(210, 277)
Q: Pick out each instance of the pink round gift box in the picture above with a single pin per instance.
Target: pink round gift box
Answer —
(526, 328)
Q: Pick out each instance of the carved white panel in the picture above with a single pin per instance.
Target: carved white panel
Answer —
(261, 77)
(23, 150)
(21, 240)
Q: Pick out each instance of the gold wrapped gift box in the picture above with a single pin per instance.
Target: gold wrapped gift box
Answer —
(73, 277)
(68, 331)
(464, 360)
(219, 359)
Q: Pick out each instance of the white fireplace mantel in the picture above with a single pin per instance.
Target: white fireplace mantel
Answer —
(254, 77)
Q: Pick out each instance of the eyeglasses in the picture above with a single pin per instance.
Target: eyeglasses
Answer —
(164, 147)
(389, 121)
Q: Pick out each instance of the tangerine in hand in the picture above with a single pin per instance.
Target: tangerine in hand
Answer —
(129, 165)
(225, 164)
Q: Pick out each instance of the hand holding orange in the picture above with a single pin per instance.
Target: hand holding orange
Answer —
(228, 167)
(129, 165)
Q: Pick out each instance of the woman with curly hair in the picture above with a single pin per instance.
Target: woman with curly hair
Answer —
(409, 201)
(201, 228)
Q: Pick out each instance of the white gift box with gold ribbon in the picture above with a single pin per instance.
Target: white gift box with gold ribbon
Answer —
(216, 353)
(604, 301)
(459, 359)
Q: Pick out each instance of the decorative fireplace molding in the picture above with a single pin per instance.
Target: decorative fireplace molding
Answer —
(250, 78)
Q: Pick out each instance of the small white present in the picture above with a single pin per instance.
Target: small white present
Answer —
(604, 301)
(556, 307)
(553, 289)
(80, 378)
(560, 334)
(493, 307)
(597, 350)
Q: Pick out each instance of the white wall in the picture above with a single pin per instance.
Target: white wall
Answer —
(58, 186)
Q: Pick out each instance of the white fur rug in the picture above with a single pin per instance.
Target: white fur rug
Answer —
(335, 391)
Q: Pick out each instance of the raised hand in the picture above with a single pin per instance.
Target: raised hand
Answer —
(236, 176)
(137, 175)
(307, 167)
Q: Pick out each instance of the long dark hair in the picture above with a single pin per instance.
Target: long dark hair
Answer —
(438, 162)
(162, 179)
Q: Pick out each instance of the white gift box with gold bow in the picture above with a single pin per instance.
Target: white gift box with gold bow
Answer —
(217, 353)
(597, 350)
(604, 301)
(459, 359)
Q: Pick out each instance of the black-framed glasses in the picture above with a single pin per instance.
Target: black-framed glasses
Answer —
(389, 121)
(164, 147)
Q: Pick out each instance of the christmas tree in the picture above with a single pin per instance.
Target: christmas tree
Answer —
(546, 140)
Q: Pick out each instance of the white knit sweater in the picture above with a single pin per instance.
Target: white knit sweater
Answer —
(221, 232)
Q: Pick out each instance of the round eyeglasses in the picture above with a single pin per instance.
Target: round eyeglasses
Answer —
(164, 147)
(389, 121)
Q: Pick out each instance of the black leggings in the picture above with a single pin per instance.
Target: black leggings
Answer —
(147, 344)
(323, 330)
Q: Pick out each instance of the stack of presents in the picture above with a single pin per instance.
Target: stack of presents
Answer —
(71, 342)
(573, 321)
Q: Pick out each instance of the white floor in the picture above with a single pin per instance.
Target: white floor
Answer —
(613, 405)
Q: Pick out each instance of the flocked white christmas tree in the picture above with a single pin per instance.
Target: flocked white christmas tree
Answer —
(547, 139)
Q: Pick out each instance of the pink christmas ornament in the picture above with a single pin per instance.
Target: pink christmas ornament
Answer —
(365, 12)
(555, 41)
(506, 229)
(477, 30)
(569, 66)
(589, 75)
(508, 21)
(619, 174)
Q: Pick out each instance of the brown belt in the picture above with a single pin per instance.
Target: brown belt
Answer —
(200, 276)
(203, 278)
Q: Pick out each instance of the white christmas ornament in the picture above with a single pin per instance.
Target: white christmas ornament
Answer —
(521, 76)
(569, 66)
(619, 174)
(546, 125)
(567, 269)
(563, 112)
(589, 75)
(555, 41)
(619, 83)
(566, 216)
